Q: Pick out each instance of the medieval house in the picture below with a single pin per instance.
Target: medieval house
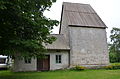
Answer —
(81, 41)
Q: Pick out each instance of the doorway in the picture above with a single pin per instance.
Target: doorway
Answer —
(43, 64)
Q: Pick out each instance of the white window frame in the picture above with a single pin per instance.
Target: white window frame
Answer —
(27, 60)
(58, 59)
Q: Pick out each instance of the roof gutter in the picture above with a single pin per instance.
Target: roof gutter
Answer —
(104, 27)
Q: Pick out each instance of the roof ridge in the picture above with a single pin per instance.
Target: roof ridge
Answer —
(75, 3)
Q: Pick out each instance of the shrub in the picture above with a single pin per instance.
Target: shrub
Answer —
(116, 66)
(108, 67)
(79, 67)
(113, 66)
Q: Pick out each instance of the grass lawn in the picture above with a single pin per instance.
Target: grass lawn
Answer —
(62, 74)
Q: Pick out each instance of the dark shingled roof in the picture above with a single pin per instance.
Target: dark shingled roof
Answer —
(78, 14)
(59, 44)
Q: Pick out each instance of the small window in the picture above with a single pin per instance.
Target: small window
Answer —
(27, 60)
(2, 60)
(58, 59)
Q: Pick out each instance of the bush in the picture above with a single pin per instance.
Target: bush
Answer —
(113, 66)
(108, 67)
(116, 66)
(80, 68)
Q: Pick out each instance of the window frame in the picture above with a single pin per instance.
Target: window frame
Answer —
(27, 60)
(2, 60)
(58, 59)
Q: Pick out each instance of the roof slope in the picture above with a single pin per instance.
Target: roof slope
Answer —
(81, 15)
(59, 44)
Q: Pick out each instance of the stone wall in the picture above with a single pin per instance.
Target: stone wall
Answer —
(88, 46)
(65, 60)
(20, 65)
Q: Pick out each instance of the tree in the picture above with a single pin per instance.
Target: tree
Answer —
(115, 45)
(23, 27)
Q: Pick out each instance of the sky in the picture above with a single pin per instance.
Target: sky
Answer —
(108, 10)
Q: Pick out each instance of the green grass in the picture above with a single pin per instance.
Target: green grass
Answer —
(62, 74)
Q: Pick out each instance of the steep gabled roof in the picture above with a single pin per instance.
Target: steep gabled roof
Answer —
(59, 44)
(82, 15)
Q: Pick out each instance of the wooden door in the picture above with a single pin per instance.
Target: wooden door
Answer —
(44, 63)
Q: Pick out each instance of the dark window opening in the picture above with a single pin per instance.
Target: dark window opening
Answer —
(58, 59)
(2, 60)
(27, 60)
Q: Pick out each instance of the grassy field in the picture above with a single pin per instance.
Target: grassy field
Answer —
(62, 74)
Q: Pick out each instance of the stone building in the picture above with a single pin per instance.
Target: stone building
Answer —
(81, 41)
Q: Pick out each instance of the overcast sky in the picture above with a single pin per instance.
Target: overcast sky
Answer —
(108, 10)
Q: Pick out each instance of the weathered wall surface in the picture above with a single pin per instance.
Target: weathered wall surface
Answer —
(88, 46)
(65, 60)
(63, 28)
(20, 65)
